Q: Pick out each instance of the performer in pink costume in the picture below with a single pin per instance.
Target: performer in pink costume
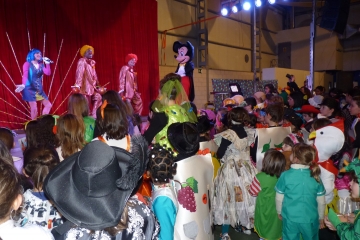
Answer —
(33, 70)
(86, 79)
(128, 84)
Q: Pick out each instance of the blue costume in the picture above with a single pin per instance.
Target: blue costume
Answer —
(165, 206)
(33, 90)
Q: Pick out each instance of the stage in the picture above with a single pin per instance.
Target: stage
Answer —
(59, 29)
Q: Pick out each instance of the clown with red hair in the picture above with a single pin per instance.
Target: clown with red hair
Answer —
(86, 80)
(128, 86)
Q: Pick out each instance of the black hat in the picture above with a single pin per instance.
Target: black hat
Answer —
(331, 103)
(184, 138)
(91, 187)
(188, 45)
(294, 119)
(204, 124)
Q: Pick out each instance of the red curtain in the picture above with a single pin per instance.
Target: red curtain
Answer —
(113, 28)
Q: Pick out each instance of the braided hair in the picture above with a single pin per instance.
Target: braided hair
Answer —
(162, 164)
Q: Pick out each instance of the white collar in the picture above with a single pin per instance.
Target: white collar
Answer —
(299, 166)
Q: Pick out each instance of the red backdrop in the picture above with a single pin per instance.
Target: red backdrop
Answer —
(113, 28)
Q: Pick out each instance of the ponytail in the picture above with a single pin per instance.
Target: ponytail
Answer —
(306, 155)
(315, 171)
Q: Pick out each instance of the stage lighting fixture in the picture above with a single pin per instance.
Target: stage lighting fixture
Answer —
(224, 11)
(246, 6)
(272, 1)
(236, 8)
(258, 3)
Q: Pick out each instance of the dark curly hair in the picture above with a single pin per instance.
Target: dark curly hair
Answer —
(162, 164)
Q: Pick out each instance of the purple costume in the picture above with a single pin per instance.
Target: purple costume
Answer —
(32, 79)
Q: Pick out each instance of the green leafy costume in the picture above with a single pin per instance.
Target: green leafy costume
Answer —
(180, 112)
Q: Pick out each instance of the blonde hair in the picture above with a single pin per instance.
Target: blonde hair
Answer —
(306, 155)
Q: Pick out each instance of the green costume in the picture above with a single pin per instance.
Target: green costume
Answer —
(346, 231)
(175, 113)
(300, 208)
(267, 224)
(89, 123)
(179, 112)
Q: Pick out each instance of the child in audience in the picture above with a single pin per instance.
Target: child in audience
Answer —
(253, 120)
(260, 114)
(302, 214)
(232, 203)
(94, 189)
(45, 134)
(6, 156)
(319, 90)
(162, 169)
(113, 97)
(113, 126)
(348, 227)
(267, 225)
(174, 102)
(288, 144)
(319, 123)
(79, 106)
(70, 135)
(250, 104)
(30, 134)
(7, 136)
(308, 113)
(11, 199)
(38, 162)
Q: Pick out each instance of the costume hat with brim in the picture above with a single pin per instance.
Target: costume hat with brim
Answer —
(90, 188)
(308, 109)
(184, 138)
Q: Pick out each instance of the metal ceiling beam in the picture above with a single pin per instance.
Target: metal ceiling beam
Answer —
(307, 3)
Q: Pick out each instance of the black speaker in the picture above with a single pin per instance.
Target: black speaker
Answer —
(335, 14)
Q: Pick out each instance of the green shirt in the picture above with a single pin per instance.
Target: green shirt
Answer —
(89, 123)
(348, 231)
(300, 192)
(267, 223)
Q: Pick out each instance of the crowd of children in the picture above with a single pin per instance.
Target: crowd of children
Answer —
(282, 165)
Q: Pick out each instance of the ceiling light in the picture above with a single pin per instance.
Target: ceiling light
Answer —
(246, 6)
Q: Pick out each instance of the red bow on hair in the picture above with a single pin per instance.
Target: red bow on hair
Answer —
(203, 152)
